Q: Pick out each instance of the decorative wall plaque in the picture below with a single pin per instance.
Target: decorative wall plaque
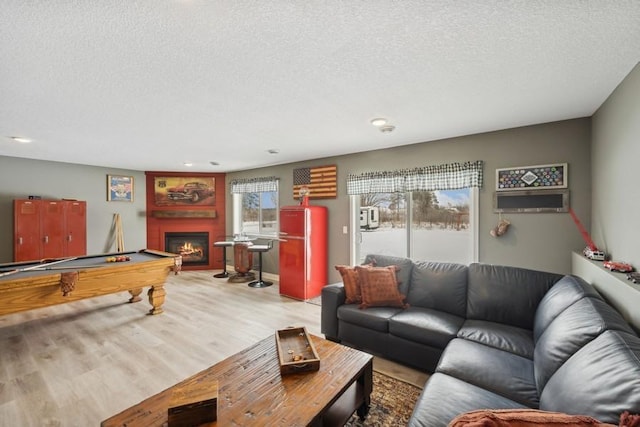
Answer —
(539, 177)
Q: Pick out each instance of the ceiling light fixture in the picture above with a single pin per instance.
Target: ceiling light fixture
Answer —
(379, 122)
(214, 163)
(273, 151)
(188, 164)
(21, 139)
(387, 128)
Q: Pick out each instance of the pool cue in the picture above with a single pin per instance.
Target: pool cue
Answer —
(34, 267)
(67, 268)
(119, 233)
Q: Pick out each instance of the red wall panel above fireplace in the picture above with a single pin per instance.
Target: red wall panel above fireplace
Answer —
(200, 216)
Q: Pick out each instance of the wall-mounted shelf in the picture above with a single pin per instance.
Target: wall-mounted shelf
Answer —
(623, 294)
(208, 213)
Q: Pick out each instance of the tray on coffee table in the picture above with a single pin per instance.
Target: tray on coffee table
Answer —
(296, 352)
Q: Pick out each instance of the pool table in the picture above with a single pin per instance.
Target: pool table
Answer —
(35, 284)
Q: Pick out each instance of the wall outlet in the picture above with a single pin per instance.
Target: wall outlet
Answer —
(345, 229)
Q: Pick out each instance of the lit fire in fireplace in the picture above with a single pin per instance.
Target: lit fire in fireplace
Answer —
(192, 246)
(187, 249)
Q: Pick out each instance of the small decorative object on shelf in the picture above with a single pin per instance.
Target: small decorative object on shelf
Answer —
(591, 251)
(622, 267)
(634, 277)
(594, 254)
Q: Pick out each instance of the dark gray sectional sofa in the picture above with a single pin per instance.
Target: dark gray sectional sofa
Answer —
(497, 337)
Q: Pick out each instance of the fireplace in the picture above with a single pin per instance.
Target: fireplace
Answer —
(193, 246)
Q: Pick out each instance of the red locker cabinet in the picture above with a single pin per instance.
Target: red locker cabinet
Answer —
(303, 251)
(49, 229)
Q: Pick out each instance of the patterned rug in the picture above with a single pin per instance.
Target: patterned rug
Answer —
(392, 403)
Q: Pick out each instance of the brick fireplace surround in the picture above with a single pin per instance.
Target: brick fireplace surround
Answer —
(187, 217)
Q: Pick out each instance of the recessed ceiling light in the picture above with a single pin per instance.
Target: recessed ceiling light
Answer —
(188, 164)
(379, 122)
(387, 128)
(273, 151)
(21, 139)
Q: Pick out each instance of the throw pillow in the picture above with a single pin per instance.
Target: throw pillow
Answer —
(379, 287)
(351, 282)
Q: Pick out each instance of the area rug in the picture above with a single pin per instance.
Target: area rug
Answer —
(392, 403)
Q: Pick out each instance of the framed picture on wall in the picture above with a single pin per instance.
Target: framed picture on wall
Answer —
(185, 190)
(119, 188)
(538, 177)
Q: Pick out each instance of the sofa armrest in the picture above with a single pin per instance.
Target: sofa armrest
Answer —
(333, 296)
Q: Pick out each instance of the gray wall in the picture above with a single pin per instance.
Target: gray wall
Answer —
(538, 241)
(20, 178)
(616, 176)
(616, 195)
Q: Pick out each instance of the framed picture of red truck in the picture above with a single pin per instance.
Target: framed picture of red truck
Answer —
(185, 190)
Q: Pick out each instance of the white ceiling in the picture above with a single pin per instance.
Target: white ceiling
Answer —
(150, 84)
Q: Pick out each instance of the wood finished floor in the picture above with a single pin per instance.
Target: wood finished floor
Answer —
(77, 364)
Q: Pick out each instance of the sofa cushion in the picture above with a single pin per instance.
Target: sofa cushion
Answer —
(403, 275)
(376, 318)
(426, 326)
(498, 335)
(507, 295)
(492, 369)
(351, 281)
(444, 397)
(601, 380)
(439, 285)
(379, 287)
(570, 331)
(565, 292)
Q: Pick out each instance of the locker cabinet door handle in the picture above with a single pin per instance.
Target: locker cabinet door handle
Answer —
(46, 239)
(69, 237)
(19, 240)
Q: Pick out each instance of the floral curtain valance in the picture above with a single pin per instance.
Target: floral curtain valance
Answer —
(450, 176)
(254, 185)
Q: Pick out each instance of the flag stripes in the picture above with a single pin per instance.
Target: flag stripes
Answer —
(321, 181)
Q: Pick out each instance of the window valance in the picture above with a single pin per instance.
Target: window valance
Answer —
(254, 185)
(450, 176)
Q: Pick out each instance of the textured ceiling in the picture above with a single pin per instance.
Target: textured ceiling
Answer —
(150, 84)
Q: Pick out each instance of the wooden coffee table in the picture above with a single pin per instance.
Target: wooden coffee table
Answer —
(251, 390)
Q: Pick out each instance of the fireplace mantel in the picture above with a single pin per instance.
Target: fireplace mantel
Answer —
(165, 213)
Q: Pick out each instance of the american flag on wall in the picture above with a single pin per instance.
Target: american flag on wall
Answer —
(321, 181)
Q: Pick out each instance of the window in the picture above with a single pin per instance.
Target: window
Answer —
(259, 213)
(255, 206)
(425, 213)
(422, 225)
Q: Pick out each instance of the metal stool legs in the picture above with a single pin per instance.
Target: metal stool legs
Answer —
(260, 249)
(224, 272)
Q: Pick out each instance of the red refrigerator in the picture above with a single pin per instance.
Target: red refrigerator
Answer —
(303, 251)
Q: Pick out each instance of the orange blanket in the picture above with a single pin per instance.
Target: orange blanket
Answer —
(523, 418)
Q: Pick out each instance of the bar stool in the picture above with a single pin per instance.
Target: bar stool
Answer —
(224, 245)
(260, 249)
